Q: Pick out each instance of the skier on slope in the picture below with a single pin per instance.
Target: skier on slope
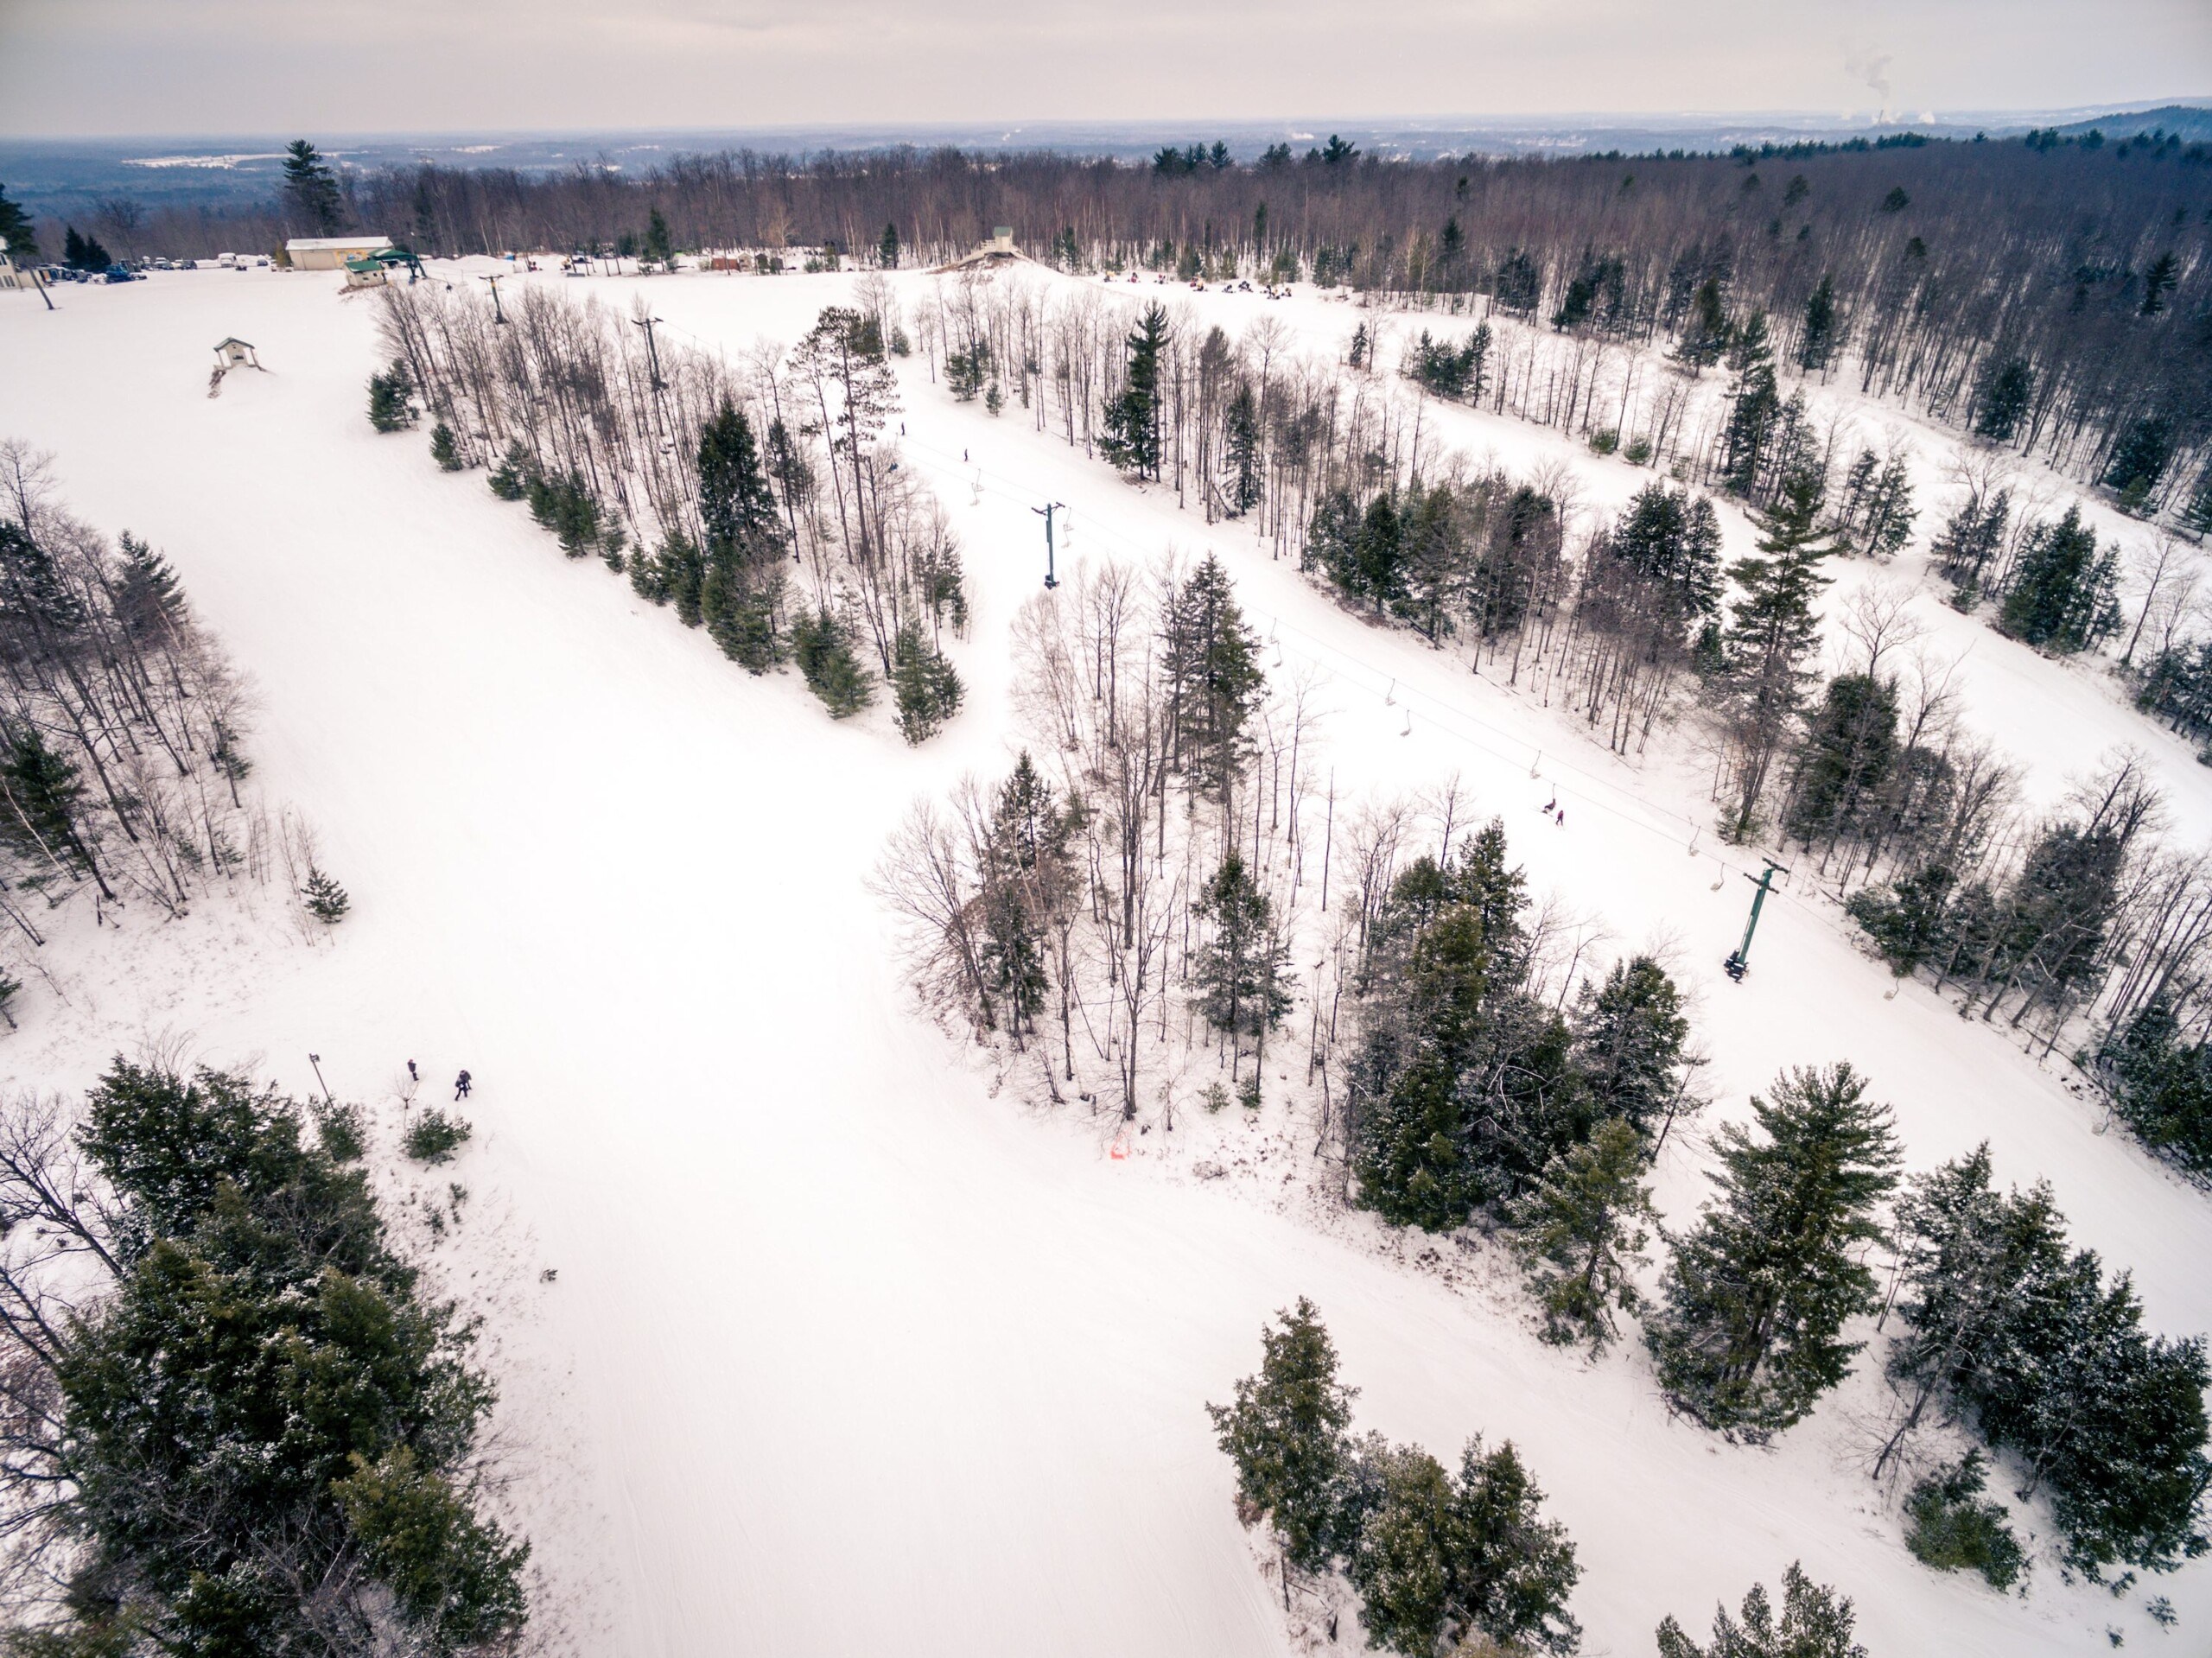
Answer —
(461, 1086)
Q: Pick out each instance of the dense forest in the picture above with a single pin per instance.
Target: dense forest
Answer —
(2053, 292)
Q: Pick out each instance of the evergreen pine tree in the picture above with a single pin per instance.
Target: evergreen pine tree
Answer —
(388, 391)
(325, 900)
(1375, 569)
(2007, 389)
(564, 505)
(822, 643)
(1770, 637)
(1026, 880)
(2060, 597)
(740, 583)
(2140, 459)
(1398, 1565)
(736, 506)
(924, 690)
(1581, 1235)
(510, 479)
(270, 1430)
(738, 608)
(443, 449)
(1965, 1252)
(887, 247)
(679, 577)
(311, 187)
(1756, 1296)
(149, 599)
(658, 246)
(1753, 404)
(1132, 435)
(2197, 515)
(1241, 969)
(1952, 1525)
(1706, 334)
(966, 371)
(1439, 1559)
(2158, 282)
(1465, 1089)
(33, 590)
(1849, 751)
(2161, 1084)
(42, 815)
(1241, 451)
(1329, 535)
(2025, 1337)
(1630, 1038)
(1816, 1623)
(1816, 340)
(1286, 1432)
(1665, 536)
(1511, 1570)
(1215, 679)
(18, 239)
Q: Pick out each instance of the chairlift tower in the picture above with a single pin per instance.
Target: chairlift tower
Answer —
(1739, 963)
(1045, 513)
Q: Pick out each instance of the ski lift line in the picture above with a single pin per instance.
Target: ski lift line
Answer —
(1325, 656)
(1451, 718)
(1322, 655)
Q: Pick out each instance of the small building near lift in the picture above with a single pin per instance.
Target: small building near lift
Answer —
(330, 252)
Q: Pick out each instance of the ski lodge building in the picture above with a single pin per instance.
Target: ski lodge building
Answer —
(330, 252)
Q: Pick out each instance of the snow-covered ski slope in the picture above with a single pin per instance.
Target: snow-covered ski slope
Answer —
(844, 1353)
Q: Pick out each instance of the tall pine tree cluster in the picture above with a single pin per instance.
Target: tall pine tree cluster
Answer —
(1469, 1092)
(2024, 1338)
(1437, 1557)
(241, 1426)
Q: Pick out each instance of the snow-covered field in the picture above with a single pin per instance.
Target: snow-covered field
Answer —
(849, 1350)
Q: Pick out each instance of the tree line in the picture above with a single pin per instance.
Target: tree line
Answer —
(2067, 282)
(122, 727)
(767, 505)
(1909, 817)
(2008, 1335)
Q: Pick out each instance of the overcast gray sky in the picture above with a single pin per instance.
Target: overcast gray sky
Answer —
(181, 67)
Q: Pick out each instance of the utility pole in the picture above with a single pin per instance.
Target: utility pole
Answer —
(1739, 963)
(497, 315)
(652, 352)
(659, 386)
(1045, 513)
(39, 282)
